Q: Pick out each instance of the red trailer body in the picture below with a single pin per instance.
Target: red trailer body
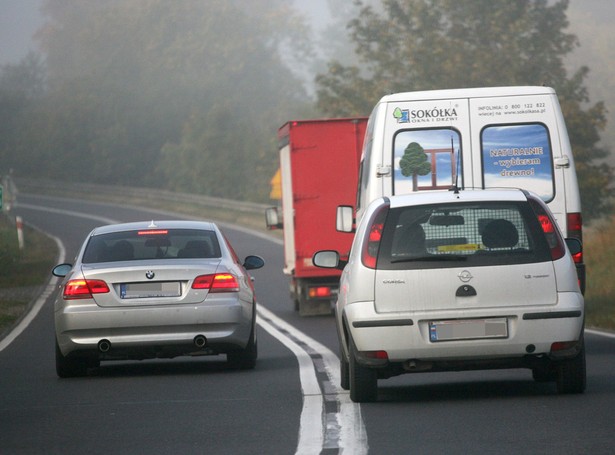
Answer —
(319, 162)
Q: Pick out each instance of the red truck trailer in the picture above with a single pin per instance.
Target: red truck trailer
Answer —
(319, 163)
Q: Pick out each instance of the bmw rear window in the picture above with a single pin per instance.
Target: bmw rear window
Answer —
(152, 244)
(456, 235)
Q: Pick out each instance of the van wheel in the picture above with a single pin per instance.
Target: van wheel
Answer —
(544, 373)
(70, 367)
(344, 371)
(363, 381)
(571, 374)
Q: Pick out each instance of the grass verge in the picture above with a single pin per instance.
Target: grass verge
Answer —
(22, 272)
(599, 253)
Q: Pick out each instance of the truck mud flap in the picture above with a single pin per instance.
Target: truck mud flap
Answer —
(315, 308)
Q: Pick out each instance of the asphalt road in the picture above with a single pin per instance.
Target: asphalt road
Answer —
(290, 403)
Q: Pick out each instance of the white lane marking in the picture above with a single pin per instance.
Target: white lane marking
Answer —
(67, 212)
(600, 333)
(345, 428)
(310, 428)
(38, 304)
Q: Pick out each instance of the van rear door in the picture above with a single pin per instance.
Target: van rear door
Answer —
(517, 145)
(428, 138)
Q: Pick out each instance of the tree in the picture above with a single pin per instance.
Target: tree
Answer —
(414, 163)
(428, 44)
(21, 87)
(131, 80)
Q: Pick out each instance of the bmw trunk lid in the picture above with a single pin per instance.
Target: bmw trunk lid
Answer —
(165, 283)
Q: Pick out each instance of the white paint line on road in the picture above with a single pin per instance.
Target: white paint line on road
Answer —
(343, 429)
(102, 219)
(38, 304)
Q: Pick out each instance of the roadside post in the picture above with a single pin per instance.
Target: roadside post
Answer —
(19, 224)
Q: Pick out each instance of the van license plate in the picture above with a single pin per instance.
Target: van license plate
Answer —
(468, 329)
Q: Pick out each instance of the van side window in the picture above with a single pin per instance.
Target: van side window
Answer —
(518, 156)
(426, 159)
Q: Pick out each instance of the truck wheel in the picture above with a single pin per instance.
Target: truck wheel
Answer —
(70, 367)
(363, 381)
(571, 374)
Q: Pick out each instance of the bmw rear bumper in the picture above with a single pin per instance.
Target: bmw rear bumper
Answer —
(146, 332)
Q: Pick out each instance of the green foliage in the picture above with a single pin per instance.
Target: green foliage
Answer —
(130, 83)
(9, 249)
(600, 262)
(421, 44)
(414, 162)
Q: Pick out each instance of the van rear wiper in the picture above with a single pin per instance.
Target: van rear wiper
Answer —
(432, 258)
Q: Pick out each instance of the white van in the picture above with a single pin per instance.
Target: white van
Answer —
(494, 137)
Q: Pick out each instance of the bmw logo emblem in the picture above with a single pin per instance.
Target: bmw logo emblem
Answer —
(149, 275)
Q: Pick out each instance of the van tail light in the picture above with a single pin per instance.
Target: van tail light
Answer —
(371, 243)
(83, 289)
(218, 282)
(574, 226)
(575, 230)
(554, 239)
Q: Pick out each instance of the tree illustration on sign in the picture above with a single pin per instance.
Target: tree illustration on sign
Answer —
(414, 163)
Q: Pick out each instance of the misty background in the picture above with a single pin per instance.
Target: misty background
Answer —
(188, 95)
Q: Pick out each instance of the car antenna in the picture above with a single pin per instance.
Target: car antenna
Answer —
(455, 187)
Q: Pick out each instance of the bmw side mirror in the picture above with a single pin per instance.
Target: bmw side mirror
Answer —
(61, 270)
(253, 262)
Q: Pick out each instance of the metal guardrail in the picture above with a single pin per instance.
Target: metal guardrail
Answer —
(128, 194)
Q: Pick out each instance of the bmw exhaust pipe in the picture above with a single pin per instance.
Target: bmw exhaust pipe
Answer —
(200, 341)
(104, 346)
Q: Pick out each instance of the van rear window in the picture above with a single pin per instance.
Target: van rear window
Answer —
(442, 236)
(518, 156)
(426, 159)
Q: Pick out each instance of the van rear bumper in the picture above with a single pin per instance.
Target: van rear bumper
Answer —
(407, 336)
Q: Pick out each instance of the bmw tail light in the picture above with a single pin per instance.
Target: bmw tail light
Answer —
(83, 289)
(371, 243)
(219, 282)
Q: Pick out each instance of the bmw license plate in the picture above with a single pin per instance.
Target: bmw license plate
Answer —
(468, 329)
(148, 290)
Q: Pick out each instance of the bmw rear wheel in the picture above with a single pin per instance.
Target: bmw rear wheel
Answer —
(69, 367)
(244, 359)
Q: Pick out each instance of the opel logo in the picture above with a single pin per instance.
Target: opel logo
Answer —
(465, 276)
(149, 275)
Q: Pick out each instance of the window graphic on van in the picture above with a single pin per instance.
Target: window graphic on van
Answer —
(518, 156)
(426, 159)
